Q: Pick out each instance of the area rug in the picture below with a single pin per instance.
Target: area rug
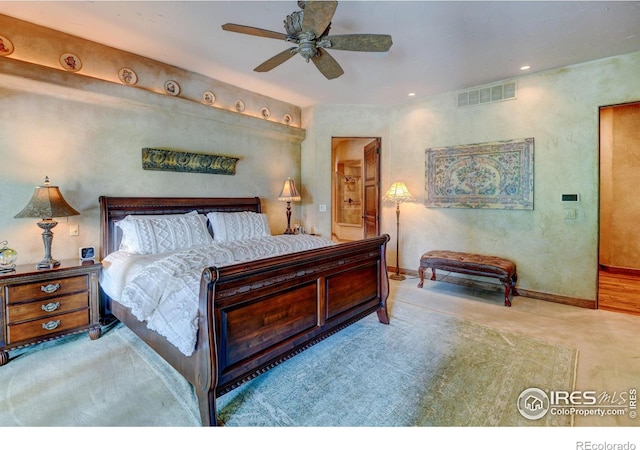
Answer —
(116, 380)
(424, 369)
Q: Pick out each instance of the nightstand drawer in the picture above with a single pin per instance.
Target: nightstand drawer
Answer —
(48, 307)
(48, 325)
(40, 289)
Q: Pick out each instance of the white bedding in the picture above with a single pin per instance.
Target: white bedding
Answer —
(163, 289)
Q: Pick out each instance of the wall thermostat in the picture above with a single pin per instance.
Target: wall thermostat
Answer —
(87, 254)
(570, 197)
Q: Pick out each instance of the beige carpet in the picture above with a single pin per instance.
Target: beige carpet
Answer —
(113, 381)
(424, 369)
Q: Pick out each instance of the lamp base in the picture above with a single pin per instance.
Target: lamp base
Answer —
(47, 264)
(47, 238)
(397, 276)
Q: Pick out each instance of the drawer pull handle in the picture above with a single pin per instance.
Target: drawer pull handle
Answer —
(51, 325)
(49, 288)
(49, 307)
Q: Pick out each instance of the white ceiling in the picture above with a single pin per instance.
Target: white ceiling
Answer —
(437, 46)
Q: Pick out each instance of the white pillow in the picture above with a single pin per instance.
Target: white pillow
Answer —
(237, 226)
(159, 234)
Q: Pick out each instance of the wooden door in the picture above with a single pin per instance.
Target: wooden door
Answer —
(371, 217)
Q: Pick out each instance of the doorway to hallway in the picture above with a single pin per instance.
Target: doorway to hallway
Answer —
(355, 193)
(619, 241)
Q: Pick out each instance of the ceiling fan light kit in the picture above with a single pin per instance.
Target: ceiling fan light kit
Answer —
(309, 30)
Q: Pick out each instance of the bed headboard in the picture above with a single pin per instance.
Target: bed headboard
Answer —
(113, 209)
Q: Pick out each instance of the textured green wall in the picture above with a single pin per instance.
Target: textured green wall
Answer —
(559, 108)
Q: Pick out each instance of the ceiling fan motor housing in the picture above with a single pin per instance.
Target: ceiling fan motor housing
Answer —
(306, 40)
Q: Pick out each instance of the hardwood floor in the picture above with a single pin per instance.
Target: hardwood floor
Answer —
(619, 291)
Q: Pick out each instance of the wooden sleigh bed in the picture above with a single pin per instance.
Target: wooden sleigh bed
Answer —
(252, 316)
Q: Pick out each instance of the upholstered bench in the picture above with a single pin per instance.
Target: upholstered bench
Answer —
(471, 264)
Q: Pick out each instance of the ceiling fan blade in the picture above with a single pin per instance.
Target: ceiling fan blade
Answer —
(253, 31)
(361, 42)
(328, 66)
(275, 61)
(317, 15)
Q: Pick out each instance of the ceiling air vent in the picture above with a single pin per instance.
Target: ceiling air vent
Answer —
(487, 94)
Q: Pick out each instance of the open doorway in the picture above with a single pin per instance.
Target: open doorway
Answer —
(355, 181)
(619, 241)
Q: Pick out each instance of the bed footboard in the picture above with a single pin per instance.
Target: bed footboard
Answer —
(255, 315)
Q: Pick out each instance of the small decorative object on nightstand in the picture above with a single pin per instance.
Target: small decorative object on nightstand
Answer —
(8, 257)
(87, 255)
(40, 305)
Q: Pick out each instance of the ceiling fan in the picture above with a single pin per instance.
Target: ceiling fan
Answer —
(309, 29)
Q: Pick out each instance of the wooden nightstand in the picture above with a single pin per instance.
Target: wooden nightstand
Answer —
(40, 305)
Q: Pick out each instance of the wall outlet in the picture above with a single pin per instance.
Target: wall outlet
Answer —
(322, 208)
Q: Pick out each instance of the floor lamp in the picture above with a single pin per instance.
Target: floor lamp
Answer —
(398, 193)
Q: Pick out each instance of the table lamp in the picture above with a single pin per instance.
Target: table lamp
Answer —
(289, 194)
(47, 202)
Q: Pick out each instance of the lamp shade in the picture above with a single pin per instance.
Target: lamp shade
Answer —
(47, 202)
(289, 192)
(398, 193)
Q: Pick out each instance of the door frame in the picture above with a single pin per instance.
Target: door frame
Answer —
(336, 141)
(607, 266)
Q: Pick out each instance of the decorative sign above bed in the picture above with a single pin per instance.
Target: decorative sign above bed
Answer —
(178, 161)
(493, 175)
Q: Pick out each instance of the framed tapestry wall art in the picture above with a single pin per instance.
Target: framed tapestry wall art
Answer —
(491, 175)
(180, 161)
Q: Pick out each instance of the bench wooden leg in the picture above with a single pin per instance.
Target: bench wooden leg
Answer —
(507, 289)
(510, 288)
(514, 291)
(421, 275)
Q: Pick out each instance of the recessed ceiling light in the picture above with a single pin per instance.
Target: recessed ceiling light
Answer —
(525, 67)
